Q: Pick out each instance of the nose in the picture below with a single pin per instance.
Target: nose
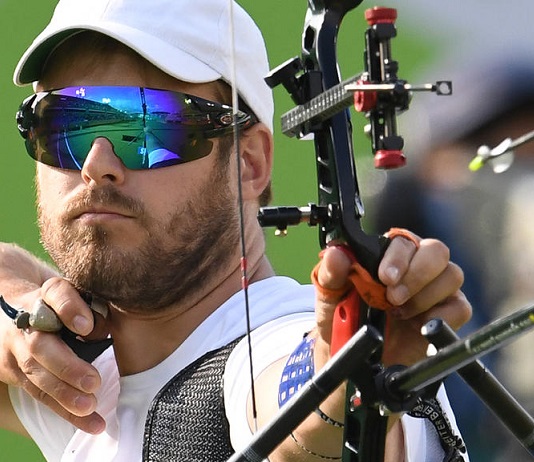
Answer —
(102, 165)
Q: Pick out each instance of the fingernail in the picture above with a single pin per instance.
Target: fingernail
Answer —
(82, 325)
(97, 426)
(84, 403)
(392, 273)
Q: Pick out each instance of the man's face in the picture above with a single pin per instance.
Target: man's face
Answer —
(142, 239)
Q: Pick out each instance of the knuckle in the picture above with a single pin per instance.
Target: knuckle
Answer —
(30, 388)
(55, 292)
(41, 395)
(400, 243)
(67, 371)
(439, 249)
(24, 382)
(60, 392)
(409, 244)
(458, 309)
(28, 366)
(52, 286)
(466, 308)
(35, 342)
(457, 274)
(74, 420)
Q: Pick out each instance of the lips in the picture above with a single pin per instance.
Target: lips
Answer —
(105, 202)
(101, 214)
(102, 211)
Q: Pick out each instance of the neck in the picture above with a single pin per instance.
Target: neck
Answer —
(141, 340)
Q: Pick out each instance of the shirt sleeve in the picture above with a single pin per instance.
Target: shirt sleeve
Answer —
(270, 342)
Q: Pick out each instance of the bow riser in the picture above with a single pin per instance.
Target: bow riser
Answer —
(338, 191)
(336, 172)
(314, 82)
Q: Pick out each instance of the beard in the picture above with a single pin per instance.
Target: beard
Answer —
(177, 258)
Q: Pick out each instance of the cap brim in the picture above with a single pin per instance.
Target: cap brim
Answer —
(184, 66)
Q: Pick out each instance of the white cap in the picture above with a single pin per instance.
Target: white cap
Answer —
(189, 40)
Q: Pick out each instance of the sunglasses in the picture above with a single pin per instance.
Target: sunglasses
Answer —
(148, 128)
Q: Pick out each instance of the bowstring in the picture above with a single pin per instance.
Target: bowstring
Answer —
(244, 275)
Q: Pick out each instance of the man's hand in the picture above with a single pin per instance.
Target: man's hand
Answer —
(44, 366)
(420, 282)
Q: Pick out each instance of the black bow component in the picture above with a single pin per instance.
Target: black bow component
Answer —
(314, 84)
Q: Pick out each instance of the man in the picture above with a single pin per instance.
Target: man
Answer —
(161, 245)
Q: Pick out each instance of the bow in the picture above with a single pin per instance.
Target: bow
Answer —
(314, 84)
(340, 208)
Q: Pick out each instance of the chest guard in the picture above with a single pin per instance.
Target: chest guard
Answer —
(186, 421)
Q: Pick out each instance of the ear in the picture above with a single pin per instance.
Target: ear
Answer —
(256, 145)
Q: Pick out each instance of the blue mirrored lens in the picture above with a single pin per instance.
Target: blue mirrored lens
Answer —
(148, 128)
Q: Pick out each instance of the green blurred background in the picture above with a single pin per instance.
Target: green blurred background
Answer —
(294, 175)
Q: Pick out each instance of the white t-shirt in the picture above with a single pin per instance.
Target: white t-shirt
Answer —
(284, 310)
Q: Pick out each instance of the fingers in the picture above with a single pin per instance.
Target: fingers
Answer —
(418, 278)
(396, 261)
(91, 423)
(404, 342)
(334, 269)
(45, 367)
(50, 353)
(423, 284)
(455, 310)
(50, 372)
(420, 281)
(437, 288)
(68, 305)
